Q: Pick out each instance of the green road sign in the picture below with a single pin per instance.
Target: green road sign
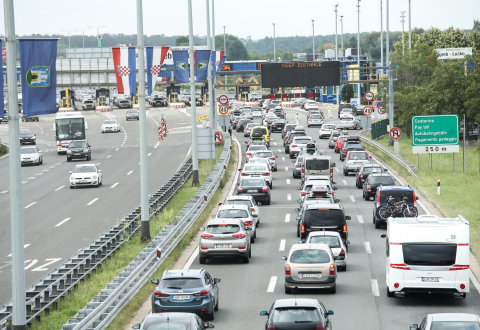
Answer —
(435, 134)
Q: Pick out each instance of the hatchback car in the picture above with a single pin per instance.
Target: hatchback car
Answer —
(27, 137)
(374, 181)
(323, 217)
(225, 238)
(241, 212)
(351, 122)
(256, 112)
(168, 321)
(245, 200)
(257, 171)
(277, 125)
(299, 142)
(340, 142)
(248, 129)
(288, 127)
(365, 170)
(310, 266)
(315, 119)
(110, 125)
(335, 242)
(446, 321)
(79, 149)
(255, 187)
(298, 313)
(350, 146)
(325, 130)
(132, 115)
(30, 156)
(85, 175)
(354, 160)
(186, 290)
(268, 154)
(397, 192)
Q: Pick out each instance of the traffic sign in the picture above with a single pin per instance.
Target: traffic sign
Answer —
(367, 111)
(395, 133)
(369, 96)
(223, 110)
(381, 111)
(435, 134)
(223, 99)
(218, 137)
(354, 102)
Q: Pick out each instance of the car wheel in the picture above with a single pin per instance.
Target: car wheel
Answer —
(202, 260)
(389, 293)
(267, 202)
(377, 224)
(71, 187)
(271, 185)
(252, 239)
(286, 150)
(288, 290)
(298, 231)
(216, 306)
(345, 172)
(366, 196)
(333, 290)
(69, 159)
(250, 253)
(210, 316)
(89, 157)
(246, 260)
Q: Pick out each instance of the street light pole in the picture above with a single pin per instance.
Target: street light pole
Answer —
(336, 49)
(409, 25)
(211, 99)
(390, 76)
(313, 39)
(225, 52)
(402, 16)
(214, 79)
(341, 30)
(359, 93)
(274, 52)
(381, 34)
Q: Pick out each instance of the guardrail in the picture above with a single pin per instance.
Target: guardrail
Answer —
(103, 308)
(44, 295)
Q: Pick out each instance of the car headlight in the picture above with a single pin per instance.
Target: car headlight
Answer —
(94, 177)
(85, 150)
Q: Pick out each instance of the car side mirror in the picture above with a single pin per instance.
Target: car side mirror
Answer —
(336, 257)
(414, 327)
(212, 216)
(347, 217)
(246, 142)
(385, 169)
(248, 228)
(89, 146)
(99, 171)
(298, 218)
(155, 281)
(383, 236)
(255, 215)
(284, 258)
(333, 165)
(330, 312)
(416, 198)
(216, 280)
(136, 326)
(263, 313)
(299, 200)
(70, 172)
(334, 188)
(297, 209)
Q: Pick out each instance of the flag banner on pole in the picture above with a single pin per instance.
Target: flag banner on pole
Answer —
(222, 62)
(39, 76)
(201, 64)
(125, 63)
(180, 65)
(2, 113)
(155, 57)
(217, 58)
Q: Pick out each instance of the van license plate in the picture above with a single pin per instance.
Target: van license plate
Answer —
(430, 279)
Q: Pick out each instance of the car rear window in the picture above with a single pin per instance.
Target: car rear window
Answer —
(397, 195)
(328, 126)
(302, 141)
(261, 130)
(455, 325)
(264, 154)
(253, 148)
(429, 254)
(370, 169)
(223, 229)
(232, 214)
(317, 164)
(385, 180)
(324, 217)
(316, 116)
(310, 256)
(358, 155)
(331, 241)
(295, 315)
(255, 168)
(184, 283)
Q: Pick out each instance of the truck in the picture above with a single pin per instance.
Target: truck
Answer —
(68, 126)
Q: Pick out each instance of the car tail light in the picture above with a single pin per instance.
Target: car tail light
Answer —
(396, 285)
(161, 294)
(201, 293)
(459, 267)
(271, 327)
(342, 253)
(303, 193)
(248, 223)
(369, 188)
(360, 176)
(378, 198)
(272, 158)
(239, 235)
(319, 327)
(264, 189)
(400, 266)
(302, 228)
(207, 236)
(249, 153)
(288, 141)
(321, 129)
(462, 286)
(414, 197)
(265, 174)
(240, 190)
(252, 209)
(332, 269)
(284, 131)
(244, 174)
(345, 228)
(274, 125)
(294, 146)
(287, 269)
(298, 165)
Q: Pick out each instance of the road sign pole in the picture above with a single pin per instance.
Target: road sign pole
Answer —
(464, 134)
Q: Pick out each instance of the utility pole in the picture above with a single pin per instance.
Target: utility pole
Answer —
(211, 100)
(336, 49)
(225, 53)
(402, 16)
(195, 181)
(409, 25)
(359, 92)
(390, 75)
(214, 90)
(381, 34)
(313, 39)
(341, 29)
(274, 51)
(19, 312)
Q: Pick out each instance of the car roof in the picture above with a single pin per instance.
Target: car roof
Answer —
(233, 207)
(158, 318)
(380, 174)
(174, 273)
(239, 197)
(310, 246)
(371, 165)
(325, 206)
(221, 221)
(395, 188)
(317, 177)
(455, 317)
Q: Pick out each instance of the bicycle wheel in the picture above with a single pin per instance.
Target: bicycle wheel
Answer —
(410, 211)
(383, 212)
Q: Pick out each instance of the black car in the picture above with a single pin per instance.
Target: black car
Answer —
(123, 103)
(133, 115)
(288, 128)
(172, 321)
(79, 149)
(242, 123)
(298, 313)
(158, 101)
(350, 146)
(27, 137)
(330, 217)
(257, 188)
(365, 170)
(186, 290)
(30, 118)
(375, 180)
(277, 125)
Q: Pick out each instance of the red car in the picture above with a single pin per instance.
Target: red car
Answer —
(340, 142)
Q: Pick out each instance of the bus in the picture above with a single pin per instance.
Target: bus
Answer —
(69, 126)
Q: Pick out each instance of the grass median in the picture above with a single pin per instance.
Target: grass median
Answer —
(3, 150)
(104, 275)
(459, 190)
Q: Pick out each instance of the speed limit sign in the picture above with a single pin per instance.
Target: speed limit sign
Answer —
(367, 111)
(223, 110)
(369, 96)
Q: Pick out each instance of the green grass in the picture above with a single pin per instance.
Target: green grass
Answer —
(459, 191)
(3, 149)
(104, 275)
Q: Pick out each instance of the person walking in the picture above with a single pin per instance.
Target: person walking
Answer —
(296, 118)
(330, 115)
(230, 130)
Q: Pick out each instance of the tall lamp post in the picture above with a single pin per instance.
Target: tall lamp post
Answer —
(274, 50)
(409, 25)
(225, 52)
(381, 33)
(98, 29)
(358, 51)
(402, 16)
(313, 39)
(336, 49)
(341, 32)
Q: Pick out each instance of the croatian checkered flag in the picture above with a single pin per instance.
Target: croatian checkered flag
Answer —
(218, 58)
(125, 63)
(155, 58)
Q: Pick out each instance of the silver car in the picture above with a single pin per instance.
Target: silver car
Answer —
(351, 122)
(225, 238)
(254, 148)
(448, 321)
(241, 212)
(268, 155)
(354, 160)
(245, 200)
(315, 119)
(325, 130)
(335, 242)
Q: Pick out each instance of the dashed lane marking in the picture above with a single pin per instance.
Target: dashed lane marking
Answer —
(129, 172)
(288, 181)
(117, 149)
(336, 169)
(3, 191)
(109, 156)
(283, 158)
(367, 248)
(31, 204)
(287, 217)
(92, 201)
(279, 150)
(62, 222)
(345, 182)
(31, 178)
(149, 154)
(289, 197)
(352, 198)
(272, 283)
(286, 169)
(375, 291)
(114, 185)
(360, 218)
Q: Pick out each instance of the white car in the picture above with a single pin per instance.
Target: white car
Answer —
(350, 122)
(258, 170)
(335, 242)
(241, 212)
(254, 148)
(30, 155)
(325, 130)
(257, 112)
(267, 116)
(310, 104)
(298, 143)
(347, 112)
(85, 175)
(245, 200)
(315, 119)
(110, 125)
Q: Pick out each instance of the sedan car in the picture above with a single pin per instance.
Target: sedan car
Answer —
(110, 125)
(335, 242)
(79, 149)
(269, 155)
(298, 313)
(448, 321)
(257, 188)
(365, 170)
(132, 115)
(325, 130)
(27, 137)
(30, 156)
(315, 119)
(351, 122)
(254, 148)
(165, 321)
(186, 290)
(85, 175)
(277, 125)
(256, 112)
(257, 171)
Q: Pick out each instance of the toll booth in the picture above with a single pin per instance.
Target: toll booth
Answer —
(102, 96)
(67, 98)
(242, 93)
(172, 93)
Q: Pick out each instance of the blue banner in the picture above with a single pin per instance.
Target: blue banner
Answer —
(38, 76)
(2, 113)
(180, 65)
(201, 64)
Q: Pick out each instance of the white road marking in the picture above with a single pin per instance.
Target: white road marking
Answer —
(283, 158)
(114, 185)
(191, 259)
(345, 182)
(336, 169)
(98, 164)
(289, 197)
(279, 150)
(25, 246)
(272, 283)
(92, 201)
(109, 156)
(352, 198)
(375, 291)
(282, 245)
(129, 172)
(40, 174)
(45, 170)
(286, 169)
(3, 192)
(360, 218)
(367, 248)
(24, 182)
(287, 217)
(288, 181)
(62, 222)
(274, 143)
(31, 178)
(117, 149)
(59, 188)
(52, 166)
(31, 204)
(149, 154)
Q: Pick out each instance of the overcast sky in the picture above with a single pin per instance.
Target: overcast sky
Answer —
(242, 18)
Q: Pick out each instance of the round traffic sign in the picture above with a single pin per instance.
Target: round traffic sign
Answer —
(354, 102)
(223, 99)
(369, 96)
(223, 109)
(381, 110)
(367, 111)
(218, 137)
(395, 133)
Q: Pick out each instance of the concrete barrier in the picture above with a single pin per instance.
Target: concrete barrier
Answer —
(137, 106)
(176, 105)
(103, 108)
(288, 104)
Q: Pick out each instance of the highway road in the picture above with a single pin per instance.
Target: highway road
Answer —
(360, 302)
(58, 220)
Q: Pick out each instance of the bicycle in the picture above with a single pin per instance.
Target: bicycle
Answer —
(397, 208)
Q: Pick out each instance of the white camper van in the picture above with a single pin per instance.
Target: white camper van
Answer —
(317, 165)
(428, 254)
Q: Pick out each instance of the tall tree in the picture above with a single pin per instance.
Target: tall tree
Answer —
(182, 41)
(347, 92)
(476, 25)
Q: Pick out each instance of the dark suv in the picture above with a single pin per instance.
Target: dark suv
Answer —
(374, 181)
(397, 192)
(186, 290)
(79, 149)
(365, 170)
(319, 217)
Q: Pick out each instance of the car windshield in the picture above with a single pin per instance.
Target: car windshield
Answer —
(371, 170)
(110, 122)
(28, 150)
(295, 315)
(342, 139)
(252, 183)
(258, 160)
(183, 283)
(84, 169)
(263, 131)
(255, 168)
(455, 325)
(132, 111)
(331, 241)
(26, 132)
(223, 229)
(77, 144)
(310, 256)
(385, 180)
(232, 214)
